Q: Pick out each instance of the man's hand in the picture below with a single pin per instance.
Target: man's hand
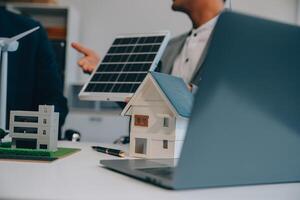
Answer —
(90, 59)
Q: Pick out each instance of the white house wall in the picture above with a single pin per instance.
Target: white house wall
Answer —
(150, 101)
(54, 132)
(155, 123)
(51, 127)
(150, 93)
(159, 151)
(178, 148)
(181, 127)
(155, 148)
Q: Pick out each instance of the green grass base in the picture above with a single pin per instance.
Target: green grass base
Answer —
(30, 154)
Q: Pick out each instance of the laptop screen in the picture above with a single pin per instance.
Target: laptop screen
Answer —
(245, 127)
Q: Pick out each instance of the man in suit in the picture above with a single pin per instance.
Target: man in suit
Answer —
(184, 54)
(33, 75)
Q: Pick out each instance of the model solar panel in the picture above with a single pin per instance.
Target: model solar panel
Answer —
(125, 66)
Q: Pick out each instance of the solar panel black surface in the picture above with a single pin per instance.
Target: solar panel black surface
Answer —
(126, 64)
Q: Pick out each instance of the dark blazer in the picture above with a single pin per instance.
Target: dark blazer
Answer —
(33, 74)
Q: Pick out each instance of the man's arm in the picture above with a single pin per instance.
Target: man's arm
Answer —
(49, 78)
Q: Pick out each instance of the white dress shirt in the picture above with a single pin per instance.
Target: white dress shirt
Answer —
(189, 57)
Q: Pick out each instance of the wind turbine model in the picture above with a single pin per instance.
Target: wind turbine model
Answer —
(7, 45)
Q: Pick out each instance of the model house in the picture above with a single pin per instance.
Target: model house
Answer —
(35, 130)
(159, 113)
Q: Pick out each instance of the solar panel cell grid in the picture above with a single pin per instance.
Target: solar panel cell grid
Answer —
(126, 64)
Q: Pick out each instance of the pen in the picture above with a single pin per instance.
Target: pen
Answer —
(114, 152)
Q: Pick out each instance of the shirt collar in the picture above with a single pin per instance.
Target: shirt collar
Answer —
(207, 26)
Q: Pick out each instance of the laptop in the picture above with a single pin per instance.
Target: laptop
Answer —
(244, 128)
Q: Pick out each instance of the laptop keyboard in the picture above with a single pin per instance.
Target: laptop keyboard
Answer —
(164, 172)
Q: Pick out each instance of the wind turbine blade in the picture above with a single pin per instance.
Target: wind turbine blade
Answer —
(17, 37)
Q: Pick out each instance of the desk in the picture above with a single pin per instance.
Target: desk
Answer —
(81, 177)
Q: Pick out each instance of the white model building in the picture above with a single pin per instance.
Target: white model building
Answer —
(159, 113)
(35, 130)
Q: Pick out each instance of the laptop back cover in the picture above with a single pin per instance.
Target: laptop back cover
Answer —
(245, 125)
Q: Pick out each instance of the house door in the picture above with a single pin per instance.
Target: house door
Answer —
(140, 146)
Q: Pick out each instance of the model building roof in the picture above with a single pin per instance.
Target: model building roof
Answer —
(176, 91)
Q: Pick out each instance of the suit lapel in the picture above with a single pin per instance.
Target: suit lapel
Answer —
(197, 74)
(171, 53)
(173, 50)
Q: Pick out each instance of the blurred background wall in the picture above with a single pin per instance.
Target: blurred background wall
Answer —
(101, 20)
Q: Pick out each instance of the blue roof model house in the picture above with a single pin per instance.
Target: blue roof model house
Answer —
(159, 110)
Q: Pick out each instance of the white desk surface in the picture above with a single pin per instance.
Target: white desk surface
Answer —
(80, 176)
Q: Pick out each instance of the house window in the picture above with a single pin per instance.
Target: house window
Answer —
(165, 144)
(141, 120)
(140, 145)
(44, 132)
(166, 122)
(26, 130)
(26, 119)
(44, 121)
(43, 146)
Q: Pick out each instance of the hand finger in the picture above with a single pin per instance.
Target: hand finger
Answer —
(85, 64)
(81, 62)
(88, 68)
(80, 48)
(85, 68)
